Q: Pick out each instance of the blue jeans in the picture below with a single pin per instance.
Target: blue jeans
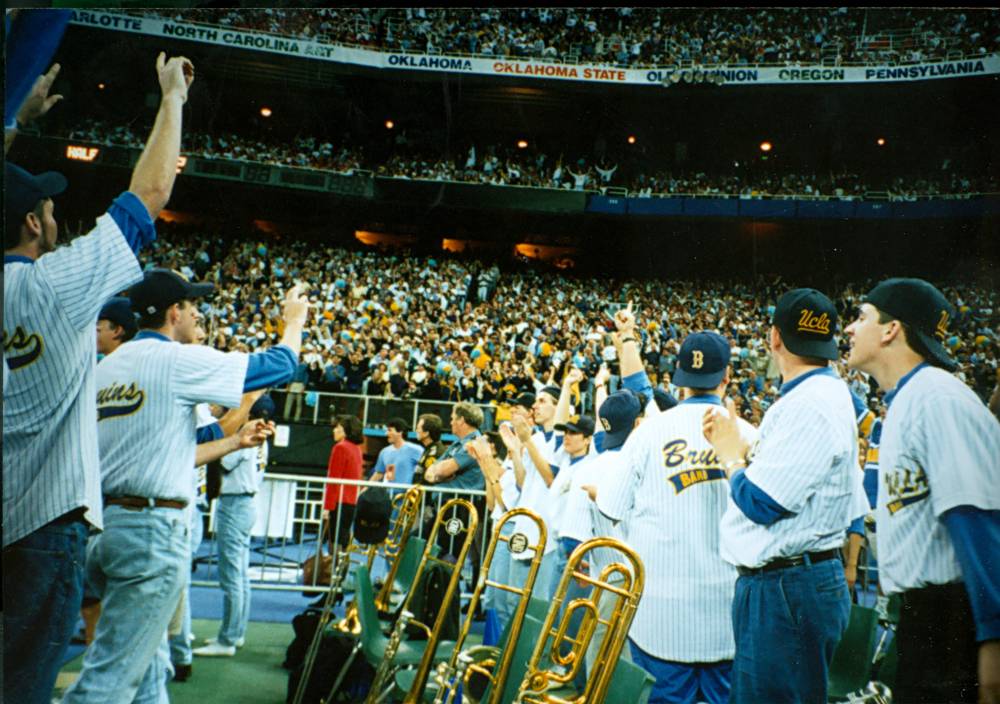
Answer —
(234, 519)
(684, 682)
(180, 646)
(139, 566)
(42, 589)
(787, 624)
(497, 599)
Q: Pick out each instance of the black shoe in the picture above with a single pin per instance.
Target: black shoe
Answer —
(79, 638)
(182, 673)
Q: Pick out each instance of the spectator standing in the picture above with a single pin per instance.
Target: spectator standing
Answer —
(345, 462)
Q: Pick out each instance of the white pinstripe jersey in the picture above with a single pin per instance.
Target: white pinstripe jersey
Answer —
(603, 472)
(671, 495)
(570, 504)
(50, 457)
(806, 459)
(535, 496)
(147, 393)
(245, 470)
(509, 493)
(940, 449)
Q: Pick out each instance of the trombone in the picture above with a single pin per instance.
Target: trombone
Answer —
(382, 685)
(406, 507)
(402, 525)
(489, 660)
(626, 594)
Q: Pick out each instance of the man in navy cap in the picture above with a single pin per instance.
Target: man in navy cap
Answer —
(670, 496)
(938, 520)
(116, 325)
(792, 498)
(51, 475)
(619, 415)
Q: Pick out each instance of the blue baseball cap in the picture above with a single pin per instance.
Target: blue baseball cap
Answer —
(263, 408)
(617, 415)
(702, 361)
(22, 191)
(553, 391)
(583, 424)
(119, 311)
(161, 288)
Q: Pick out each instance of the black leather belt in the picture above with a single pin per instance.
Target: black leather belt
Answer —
(785, 562)
(137, 502)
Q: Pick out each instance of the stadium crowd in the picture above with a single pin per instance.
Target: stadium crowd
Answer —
(636, 37)
(442, 328)
(497, 165)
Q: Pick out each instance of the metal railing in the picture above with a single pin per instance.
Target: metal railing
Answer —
(373, 411)
(290, 528)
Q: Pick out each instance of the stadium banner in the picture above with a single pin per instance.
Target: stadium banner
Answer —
(527, 68)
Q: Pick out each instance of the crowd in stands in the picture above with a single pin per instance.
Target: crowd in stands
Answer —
(637, 37)
(445, 328)
(517, 167)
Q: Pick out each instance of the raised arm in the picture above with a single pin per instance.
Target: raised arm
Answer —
(277, 365)
(34, 106)
(155, 172)
(515, 450)
(574, 376)
(234, 418)
(542, 465)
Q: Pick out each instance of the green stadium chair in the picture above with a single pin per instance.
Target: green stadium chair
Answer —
(630, 683)
(851, 666)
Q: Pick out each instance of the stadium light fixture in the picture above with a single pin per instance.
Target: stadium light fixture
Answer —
(522, 144)
(101, 86)
(880, 141)
(265, 111)
(765, 146)
(389, 124)
(631, 139)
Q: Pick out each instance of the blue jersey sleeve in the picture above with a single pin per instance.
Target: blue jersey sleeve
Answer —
(975, 533)
(857, 526)
(754, 502)
(639, 382)
(132, 218)
(272, 367)
(208, 433)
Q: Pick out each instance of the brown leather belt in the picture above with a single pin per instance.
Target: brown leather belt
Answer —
(137, 502)
(786, 562)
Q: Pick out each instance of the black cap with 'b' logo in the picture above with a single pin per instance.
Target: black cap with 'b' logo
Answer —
(807, 321)
(923, 308)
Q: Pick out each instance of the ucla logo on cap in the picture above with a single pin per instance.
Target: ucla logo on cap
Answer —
(606, 425)
(810, 322)
(942, 326)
